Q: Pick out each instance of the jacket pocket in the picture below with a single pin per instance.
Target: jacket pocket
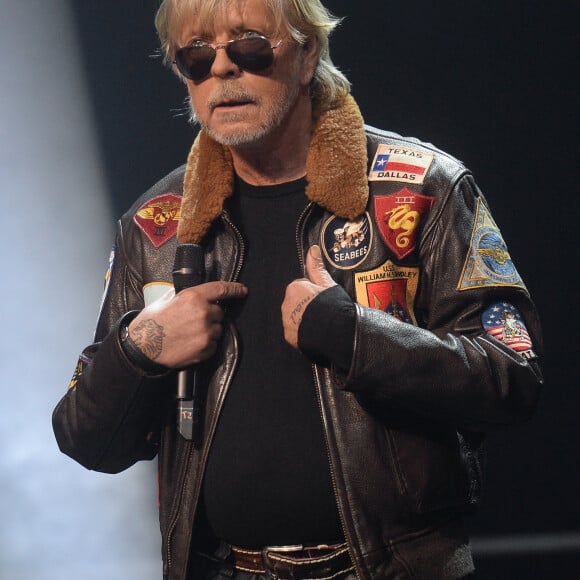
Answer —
(430, 467)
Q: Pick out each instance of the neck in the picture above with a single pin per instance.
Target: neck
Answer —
(280, 156)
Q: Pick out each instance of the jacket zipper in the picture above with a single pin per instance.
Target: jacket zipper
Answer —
(299, 227)
(207, 445)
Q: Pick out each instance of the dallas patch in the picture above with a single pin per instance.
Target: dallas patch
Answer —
(488, 261)
(504, 322)
(398, 217)
(394, 163)
(346, 243)
(158, 218)
(389, 288)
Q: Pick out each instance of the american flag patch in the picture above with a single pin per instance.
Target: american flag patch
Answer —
(504, 322)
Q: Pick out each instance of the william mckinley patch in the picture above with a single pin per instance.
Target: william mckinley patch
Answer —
(390, 288)
(504, 322)
(488, 261)
(158, 218)
(346, 243)
(396, 163)
(398, 217)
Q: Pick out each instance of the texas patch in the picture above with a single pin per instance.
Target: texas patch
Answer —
(488, 262)
(158, 218)
(346, 243)
(390, 288)
(504, 322)
(395, 163)
(398, 217)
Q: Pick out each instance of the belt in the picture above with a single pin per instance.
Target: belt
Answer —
(323, 562)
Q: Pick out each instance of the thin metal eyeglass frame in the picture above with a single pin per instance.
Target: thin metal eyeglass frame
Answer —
(215, 46)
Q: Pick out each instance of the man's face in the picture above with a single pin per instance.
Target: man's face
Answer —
(238, 108)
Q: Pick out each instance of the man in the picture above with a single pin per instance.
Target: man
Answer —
(349, 342)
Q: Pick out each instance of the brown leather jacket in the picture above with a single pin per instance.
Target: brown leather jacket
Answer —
(406, 232)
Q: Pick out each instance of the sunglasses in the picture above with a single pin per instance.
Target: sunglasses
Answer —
(253, 54)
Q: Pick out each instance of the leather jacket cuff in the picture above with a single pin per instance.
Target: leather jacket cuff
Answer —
(326, 333)
(133, 352)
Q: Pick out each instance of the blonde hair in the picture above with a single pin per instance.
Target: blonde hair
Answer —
(304, 19)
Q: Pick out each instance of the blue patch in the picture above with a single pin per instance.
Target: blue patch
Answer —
(346, 243)
(488, 261)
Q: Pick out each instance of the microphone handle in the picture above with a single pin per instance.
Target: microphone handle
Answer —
(188, 271)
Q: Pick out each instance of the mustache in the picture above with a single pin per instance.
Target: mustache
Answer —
(229, 93)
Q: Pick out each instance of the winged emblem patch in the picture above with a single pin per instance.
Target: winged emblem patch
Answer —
(158, 218)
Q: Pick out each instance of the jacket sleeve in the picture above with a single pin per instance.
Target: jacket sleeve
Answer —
(110, 416)
(450, 367)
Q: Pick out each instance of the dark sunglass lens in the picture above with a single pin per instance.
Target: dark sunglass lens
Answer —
(251, 54)
(195, 62)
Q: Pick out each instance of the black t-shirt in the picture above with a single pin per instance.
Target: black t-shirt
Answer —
(268, 479)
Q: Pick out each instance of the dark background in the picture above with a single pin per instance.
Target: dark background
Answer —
(494, 83)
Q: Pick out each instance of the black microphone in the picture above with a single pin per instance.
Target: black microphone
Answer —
(188, 271)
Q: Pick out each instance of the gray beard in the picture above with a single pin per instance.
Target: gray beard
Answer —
(253, 136)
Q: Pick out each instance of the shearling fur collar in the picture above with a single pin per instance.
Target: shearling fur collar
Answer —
(336, 170)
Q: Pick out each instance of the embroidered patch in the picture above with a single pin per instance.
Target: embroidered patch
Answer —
(158, 218)
(79, 369)
(154, 291)
(108, 275)
(346, 243)
(504, 322)
(110, 268)
(394, 163)
(398, 216)
(389, 288)
(488, 262)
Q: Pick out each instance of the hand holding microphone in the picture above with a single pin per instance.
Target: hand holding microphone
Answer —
(188, 272)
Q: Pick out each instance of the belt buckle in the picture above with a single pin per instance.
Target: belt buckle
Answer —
(278, 550)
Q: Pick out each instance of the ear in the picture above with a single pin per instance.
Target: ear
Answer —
(310, 59)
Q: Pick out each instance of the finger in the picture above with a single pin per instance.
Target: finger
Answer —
(215, 313)
(215, 332)
(221, 290)
(316, 270)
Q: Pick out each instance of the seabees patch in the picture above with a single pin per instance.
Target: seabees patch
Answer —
(158, 218)
(390, 288)
(504, 322)
(346, 243)
(396, 163)
(398, 217)
(488, 262)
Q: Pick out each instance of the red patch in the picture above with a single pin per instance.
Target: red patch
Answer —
(158, 218)
(398, 217)
(391, 297)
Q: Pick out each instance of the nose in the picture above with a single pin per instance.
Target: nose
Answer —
(222, 66)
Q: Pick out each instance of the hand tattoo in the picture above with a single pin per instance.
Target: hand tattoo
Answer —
(149, 338)
(298, 309)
